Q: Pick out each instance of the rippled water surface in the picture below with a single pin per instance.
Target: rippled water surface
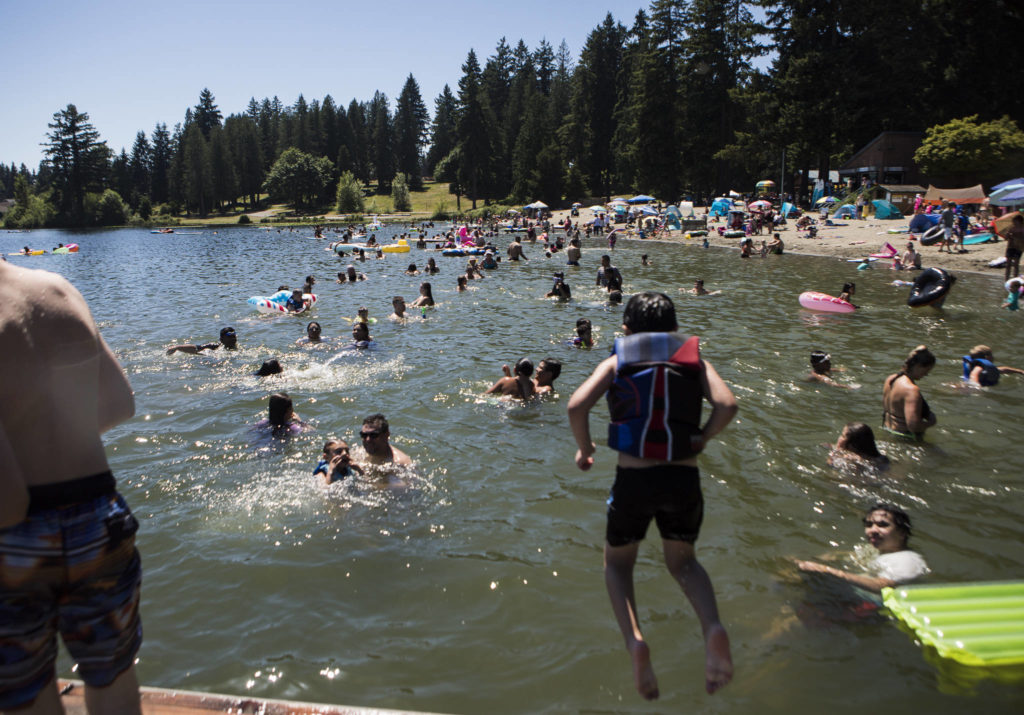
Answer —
(478, 587)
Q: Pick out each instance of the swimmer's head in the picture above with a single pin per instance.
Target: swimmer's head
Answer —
(850, 288)
(411, 268)
(858, 437)
(551, 365)
(228, 337)
(982, 352)
(649, 312)
(615, 296)
(279, 409)
(524, 367)
(920, 356)
(360, 331)
(821, 361)
(900, 518)
(269, 367)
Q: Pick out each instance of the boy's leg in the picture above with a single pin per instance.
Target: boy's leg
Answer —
(694, 580)
(121, 697)
(618, 578)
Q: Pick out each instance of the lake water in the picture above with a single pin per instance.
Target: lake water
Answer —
(479, 588)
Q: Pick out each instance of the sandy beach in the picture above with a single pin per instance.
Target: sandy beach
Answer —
(856, 240)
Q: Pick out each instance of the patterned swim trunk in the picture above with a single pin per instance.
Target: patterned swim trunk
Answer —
(71, 569)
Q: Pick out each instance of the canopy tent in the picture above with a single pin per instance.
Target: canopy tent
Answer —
(598, 209)
(846, 210)
(536, 205)
(720, 207)
(884, 209)
(641, 199)
(1014, 198)
(968, 195)
(648, 210)
(789, 210)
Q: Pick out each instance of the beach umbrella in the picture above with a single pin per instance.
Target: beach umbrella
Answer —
(762, 204)
(617, 199)
(1003, 185)
(512, 211)
(577, 205)
(537, 205)
(597, 209)
(641, 199)
(1003, 223)
(1004, 196)
(648, 211)
(826, 200)
(764, 184)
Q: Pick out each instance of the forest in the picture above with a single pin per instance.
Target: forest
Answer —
(689, 98)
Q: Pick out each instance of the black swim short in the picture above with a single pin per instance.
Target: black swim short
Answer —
(1012, 254)
(670, 494)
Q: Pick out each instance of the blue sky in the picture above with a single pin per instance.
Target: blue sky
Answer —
(132, 63)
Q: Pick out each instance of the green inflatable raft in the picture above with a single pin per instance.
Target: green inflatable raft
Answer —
(977, 624)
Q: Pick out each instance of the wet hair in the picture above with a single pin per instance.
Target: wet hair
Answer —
(279, 407)
(860, 440)
(583, 322)
(269, 367)
(615, 296)
(920, 355)
(650, 312)
(461, 280)
(377, 420)
(311, 324)
(412, 267)
(360, 325)
(849, 287)
(328, 444)
(227, 331)
(981, 351)
(818, 357)
(524, 367)
(900, 518)
(397, 298)
(426, 290)
(553, 365)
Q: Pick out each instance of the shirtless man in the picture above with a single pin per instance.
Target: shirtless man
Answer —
(911, 258)
(519, 385)
(228, 338)
(547, 371)
(398, 302)
(374, 435)
(69, 388)
(573, 253)
(515, 250)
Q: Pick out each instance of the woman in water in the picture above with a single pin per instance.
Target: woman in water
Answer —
(431, 266)
(887, 527)
(856, 448)
(905, 411)
(848, 290)
(425, 298)
(412, 270)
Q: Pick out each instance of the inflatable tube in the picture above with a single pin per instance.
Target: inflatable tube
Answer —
(813, 300)
(693, 234)
(977, 238)
(275, 303)
(401, 247)
(463, 252)
(930, 288)
(976, 624)
(37, 252)
(869, 259)
(932, 236)
(734, 234)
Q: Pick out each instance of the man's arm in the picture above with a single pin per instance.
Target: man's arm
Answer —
(870, 583)
(13, 492)
(115, 402)
(723, 402)
(582, 400)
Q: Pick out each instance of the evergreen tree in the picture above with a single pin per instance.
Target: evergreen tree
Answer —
(120, 176)
(443, 133)
(360, 141)
(206, 115)
(77, 159)
(140, 168)
(544, 61)
(243, 138)
(382, 141)
(411, 122)
(197, 172)
(161, 163)
(330, 139)
(346, 151)
(299, 121)
(475, 125)
(224, 187)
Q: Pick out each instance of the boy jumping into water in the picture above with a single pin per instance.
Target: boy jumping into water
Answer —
(656, 384)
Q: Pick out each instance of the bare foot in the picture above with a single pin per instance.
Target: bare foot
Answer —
(643, 672)
(718, 666)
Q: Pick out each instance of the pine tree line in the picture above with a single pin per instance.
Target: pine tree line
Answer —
(674, 104)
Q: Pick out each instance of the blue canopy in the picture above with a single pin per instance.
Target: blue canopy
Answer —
(641, 199)
(884, 209)
(789, 210)
(845, 210)
(922, 222)
(720, 207)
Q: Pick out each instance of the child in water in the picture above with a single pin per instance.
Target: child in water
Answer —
(856, 448)
(336, 462)
(650, 480)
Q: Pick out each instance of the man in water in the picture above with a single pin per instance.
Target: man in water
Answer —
(228, 338)
(515, 250)
(519, 385)
(374, 434)
(60, 513)
(547, 372)
(608, 275)
(398, 303)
